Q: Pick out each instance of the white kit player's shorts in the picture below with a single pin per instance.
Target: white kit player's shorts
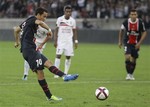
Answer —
(65, 48)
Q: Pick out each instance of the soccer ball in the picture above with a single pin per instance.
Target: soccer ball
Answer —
(102, 93)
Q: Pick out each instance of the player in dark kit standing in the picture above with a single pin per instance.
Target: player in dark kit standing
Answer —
(134, 36)
(36, 60)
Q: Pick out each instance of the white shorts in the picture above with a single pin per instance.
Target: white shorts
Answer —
(67, 50)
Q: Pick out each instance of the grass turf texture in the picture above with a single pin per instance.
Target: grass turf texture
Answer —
(96, 64)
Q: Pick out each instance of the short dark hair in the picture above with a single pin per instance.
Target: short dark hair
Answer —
(40, 11)
(133, 10)
(67, 7)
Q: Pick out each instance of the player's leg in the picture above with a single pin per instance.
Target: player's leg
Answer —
(68, 53)
(43, 83)
(44, 86)
(132, 67)
(37, 65)
(26, 70)
(57, 61)
(59, 52)
(57, 64)
(128, 57)
(127, 66)
(127, 63)
(48, 64)
(67, 64)
(134, 57)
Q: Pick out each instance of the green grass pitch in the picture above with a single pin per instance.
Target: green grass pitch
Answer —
(96, 64)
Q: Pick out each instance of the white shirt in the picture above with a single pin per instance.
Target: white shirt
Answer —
(41, 34)
(65, 31)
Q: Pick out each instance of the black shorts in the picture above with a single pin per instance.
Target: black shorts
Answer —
(35, 59)
(130, 49)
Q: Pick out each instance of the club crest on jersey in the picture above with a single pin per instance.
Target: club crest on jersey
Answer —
(132, 33)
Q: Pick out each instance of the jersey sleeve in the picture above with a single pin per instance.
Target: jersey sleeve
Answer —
(142, 26)
(122, 27)
(33, 21)
(22, 24)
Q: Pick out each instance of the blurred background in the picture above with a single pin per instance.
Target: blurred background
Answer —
(98, 21)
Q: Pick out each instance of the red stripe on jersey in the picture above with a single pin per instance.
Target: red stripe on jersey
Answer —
(132, 39)
(133, 27)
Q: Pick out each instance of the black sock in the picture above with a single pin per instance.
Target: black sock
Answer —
(132, 67)
(45, 88)
(127, 63)
(56, 71)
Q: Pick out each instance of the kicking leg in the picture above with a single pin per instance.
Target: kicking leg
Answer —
(48, 64)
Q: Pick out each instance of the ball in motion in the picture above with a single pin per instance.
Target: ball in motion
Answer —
(102, 93)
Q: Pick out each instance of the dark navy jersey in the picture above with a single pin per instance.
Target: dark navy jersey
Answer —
(133, 30)
(27, 35)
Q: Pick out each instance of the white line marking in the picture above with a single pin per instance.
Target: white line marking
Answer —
(81, 82)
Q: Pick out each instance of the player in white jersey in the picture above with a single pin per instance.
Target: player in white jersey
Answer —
(65, 36)
(40, 40)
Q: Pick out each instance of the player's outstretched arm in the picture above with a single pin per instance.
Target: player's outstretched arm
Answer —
(44, 25)
(17, 30)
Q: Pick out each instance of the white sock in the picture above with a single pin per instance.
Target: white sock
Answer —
(67, 65)
(57, 62)
(26, 68)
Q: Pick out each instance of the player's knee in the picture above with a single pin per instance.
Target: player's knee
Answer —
(48, 64)
(127, 57)
(40, 74)
(127, 62)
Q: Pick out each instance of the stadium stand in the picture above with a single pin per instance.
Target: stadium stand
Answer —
(81, 8)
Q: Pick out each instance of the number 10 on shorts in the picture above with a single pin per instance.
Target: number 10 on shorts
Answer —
(39, 62)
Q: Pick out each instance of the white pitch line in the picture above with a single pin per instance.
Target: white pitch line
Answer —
(81, 82)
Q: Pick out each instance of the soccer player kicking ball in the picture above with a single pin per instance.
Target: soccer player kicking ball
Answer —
(40, 40)
(36, 60)
(65, 34)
